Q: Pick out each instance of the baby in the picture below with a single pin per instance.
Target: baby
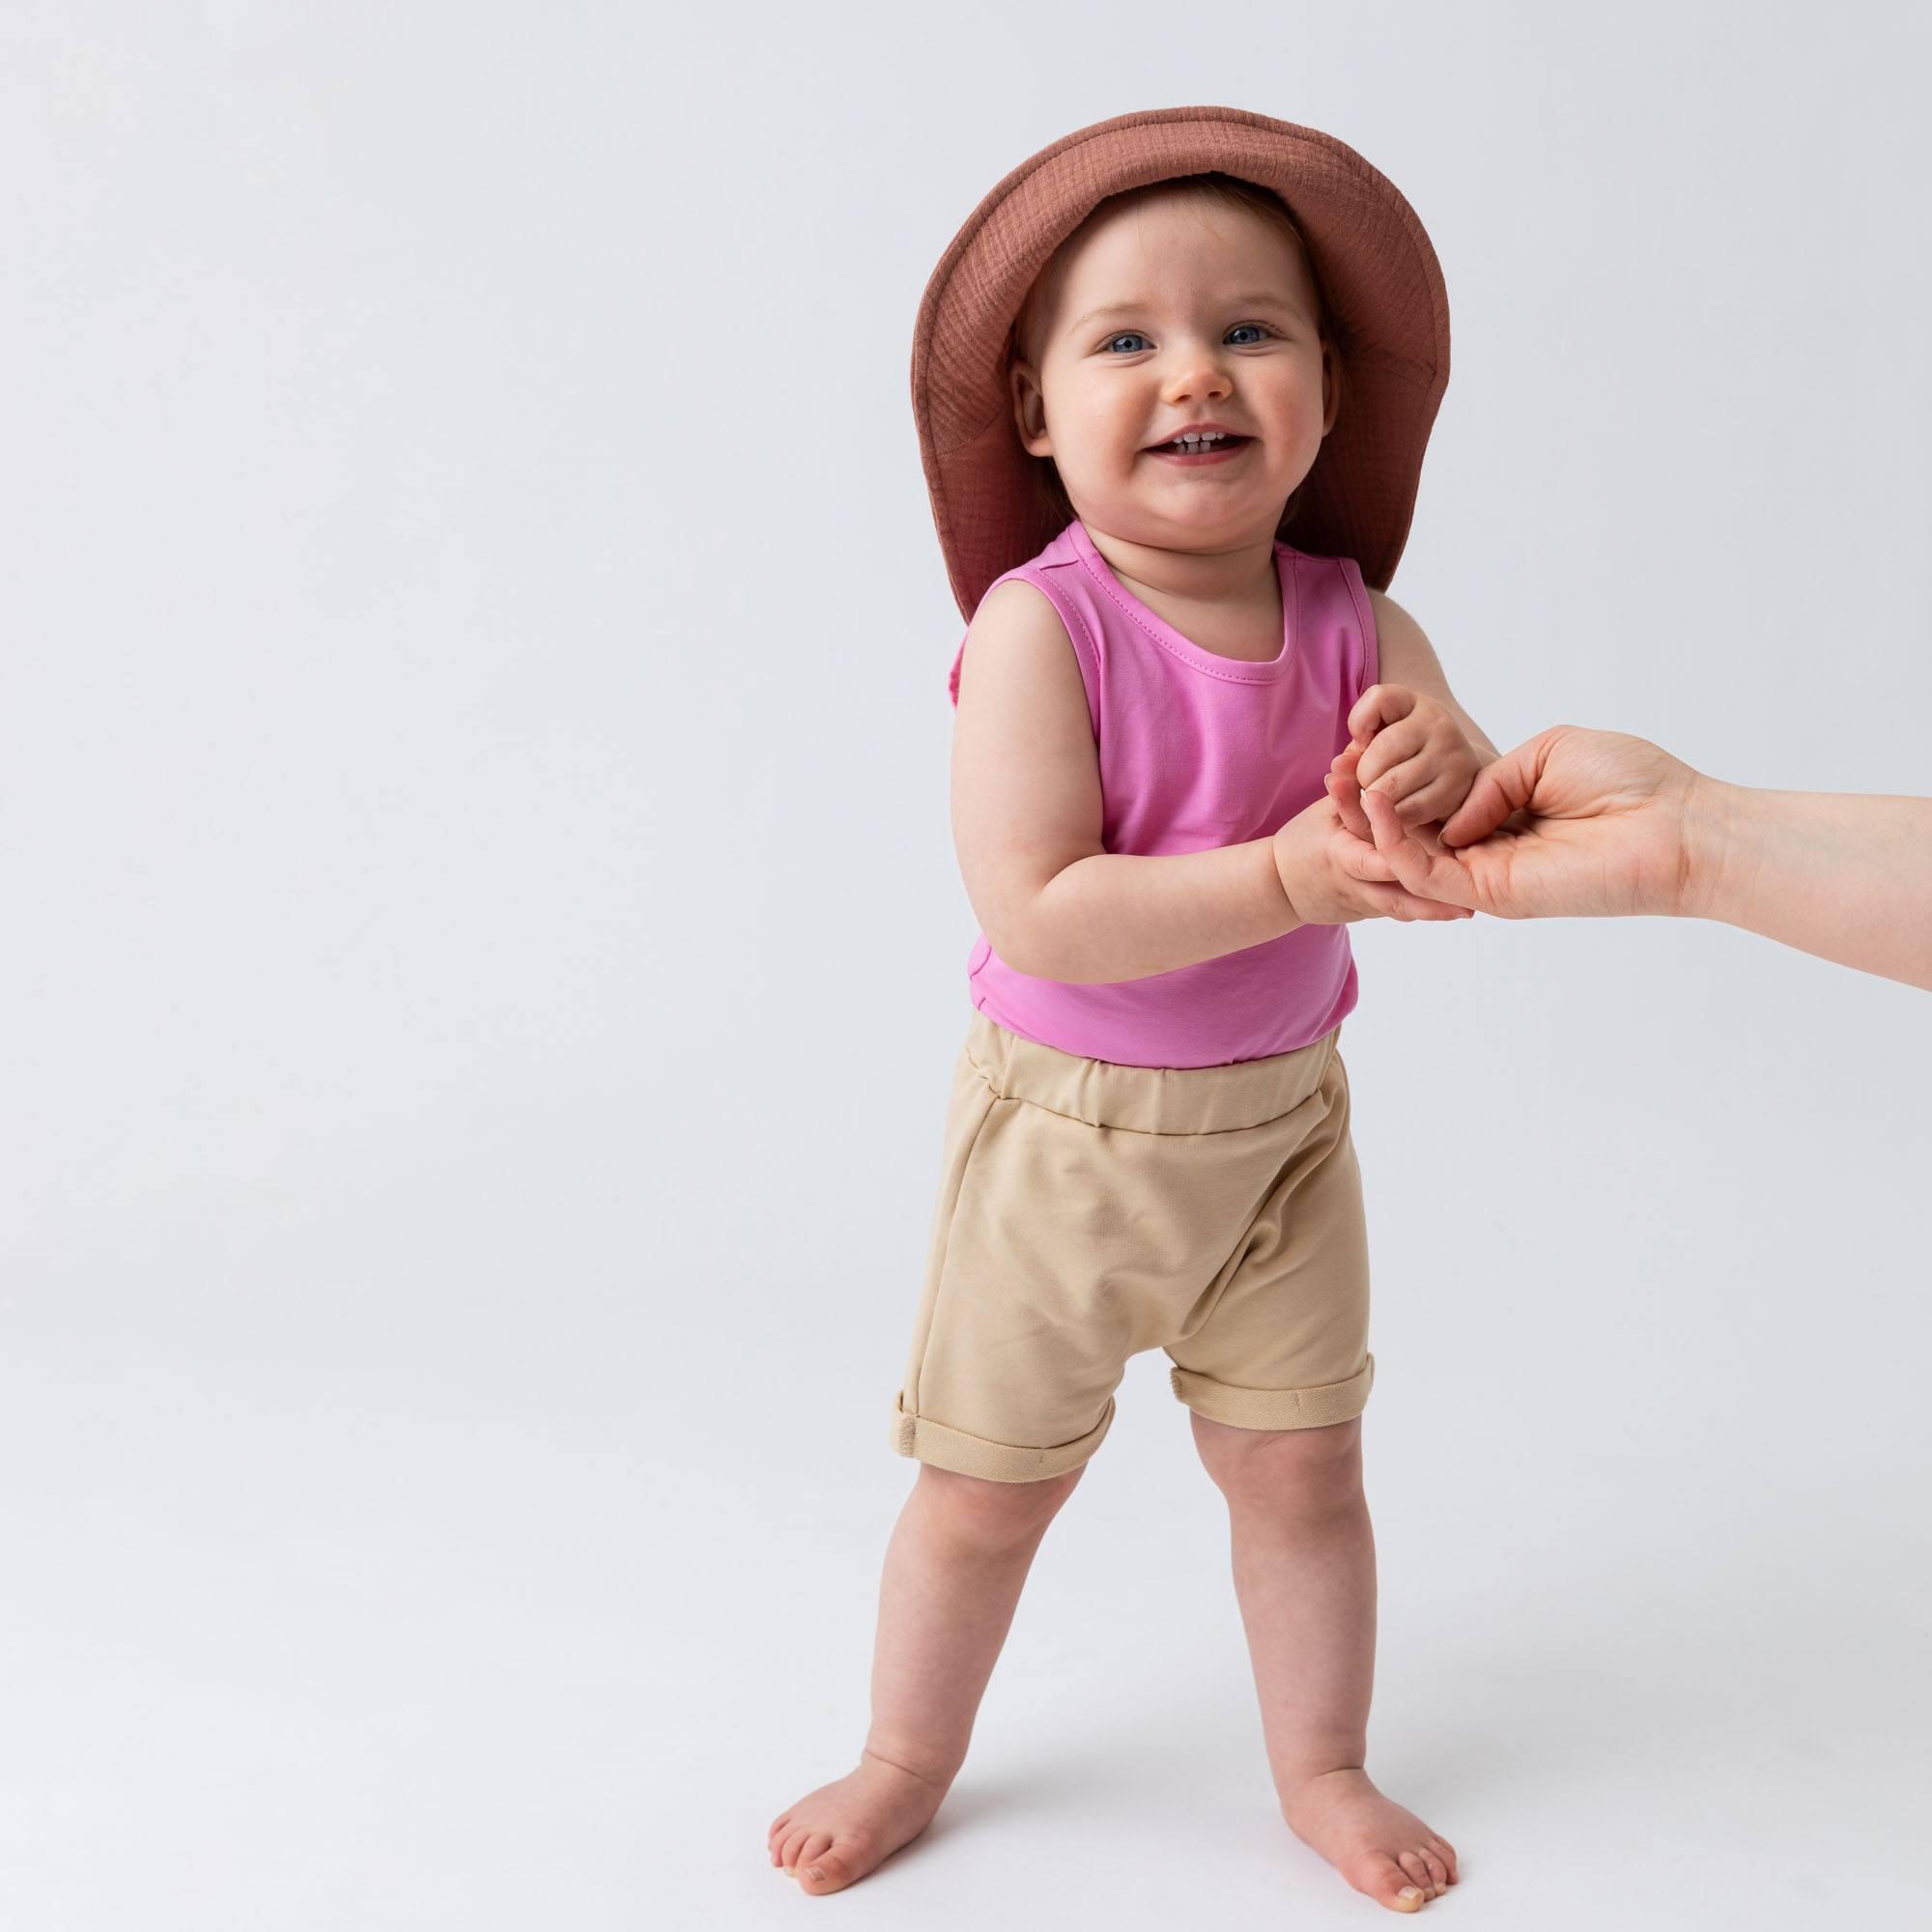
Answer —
(1164, 722)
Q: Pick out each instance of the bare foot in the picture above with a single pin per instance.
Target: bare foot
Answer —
(833, 1836)
(1374, 1843)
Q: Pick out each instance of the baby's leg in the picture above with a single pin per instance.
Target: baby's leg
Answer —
(1305, 1573)
(952, 1576)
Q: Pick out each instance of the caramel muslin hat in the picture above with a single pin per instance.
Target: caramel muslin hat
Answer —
(1380, 280)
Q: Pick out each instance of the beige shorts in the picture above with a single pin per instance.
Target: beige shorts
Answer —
(1089, 1210)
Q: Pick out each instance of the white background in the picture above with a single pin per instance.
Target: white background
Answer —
(483, 956)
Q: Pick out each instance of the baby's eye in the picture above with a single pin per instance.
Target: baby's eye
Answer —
(1134, 334)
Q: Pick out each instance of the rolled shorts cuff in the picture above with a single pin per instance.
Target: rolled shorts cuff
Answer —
(927, 1441)
(1275, 1409)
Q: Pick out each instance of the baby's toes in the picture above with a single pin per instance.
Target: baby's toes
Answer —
(794, 1840)
(777, 1825)
(1417, 1867)
(1438, 1869)
(1380, 1877)
(809, 1850)
(1446, 1852)
(830, 1870)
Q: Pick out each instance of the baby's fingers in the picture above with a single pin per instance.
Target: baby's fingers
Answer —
(1431, 802)
(1392, 745)
(1379, 705)
(1396, 782)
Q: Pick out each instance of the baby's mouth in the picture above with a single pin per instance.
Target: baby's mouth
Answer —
(1179, 446)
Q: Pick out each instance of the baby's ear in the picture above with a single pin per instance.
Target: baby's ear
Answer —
(1029, 408)
(1332, 378)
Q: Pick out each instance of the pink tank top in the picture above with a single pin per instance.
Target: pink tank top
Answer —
(1198, 751)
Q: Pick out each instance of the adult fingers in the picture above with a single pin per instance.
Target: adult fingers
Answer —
(1393, 902)
(1500, 789)
(1425, 908)
(1430, 875)
(1383, 891)
(1359, 859)
(1348, 797)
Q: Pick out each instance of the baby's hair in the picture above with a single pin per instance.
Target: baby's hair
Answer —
(1214, 189)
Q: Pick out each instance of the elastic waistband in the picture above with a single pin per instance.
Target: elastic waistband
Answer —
(1148, 1100)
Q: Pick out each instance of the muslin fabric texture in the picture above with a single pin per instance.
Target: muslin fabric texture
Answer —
(1382, 289)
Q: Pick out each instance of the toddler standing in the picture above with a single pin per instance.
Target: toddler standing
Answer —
(1155, 348)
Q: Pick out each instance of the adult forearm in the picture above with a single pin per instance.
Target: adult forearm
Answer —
(1847, 876)
(1123, 915)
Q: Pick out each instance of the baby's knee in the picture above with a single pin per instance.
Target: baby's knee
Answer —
(995, 1511)
(1308, 1468)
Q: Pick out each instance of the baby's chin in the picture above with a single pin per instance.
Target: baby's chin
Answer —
(1144, 512)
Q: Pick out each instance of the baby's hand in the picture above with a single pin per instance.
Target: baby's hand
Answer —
(1408, 747)
(1331, 880)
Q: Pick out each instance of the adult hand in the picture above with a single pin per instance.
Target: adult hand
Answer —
(1596, 822)
(1603, 822)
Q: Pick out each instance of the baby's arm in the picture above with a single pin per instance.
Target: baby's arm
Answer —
(1412, 739)
(1051, 899)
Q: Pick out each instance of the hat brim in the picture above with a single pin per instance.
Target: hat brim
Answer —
(1377, 271)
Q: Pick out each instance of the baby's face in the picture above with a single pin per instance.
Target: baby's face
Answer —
(1167, 314)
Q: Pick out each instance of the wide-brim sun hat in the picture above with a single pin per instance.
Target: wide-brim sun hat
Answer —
(1379, 281)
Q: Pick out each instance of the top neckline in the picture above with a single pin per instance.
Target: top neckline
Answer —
(1239, 670)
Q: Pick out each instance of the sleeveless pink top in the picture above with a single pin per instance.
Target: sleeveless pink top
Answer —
(1198, 751)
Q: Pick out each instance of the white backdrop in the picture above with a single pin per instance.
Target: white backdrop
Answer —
(484, 956)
